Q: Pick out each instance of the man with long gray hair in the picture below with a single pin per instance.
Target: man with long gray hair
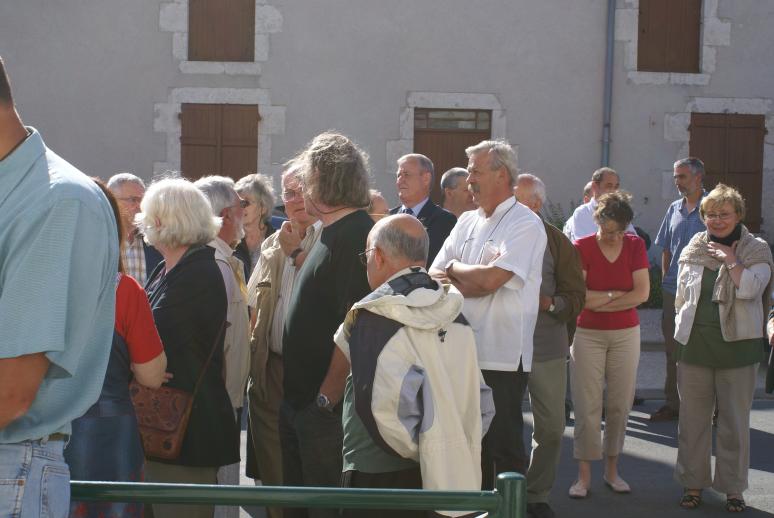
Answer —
(494, 257)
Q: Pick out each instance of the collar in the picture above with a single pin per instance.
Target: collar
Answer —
(25, 154)
(406, 271)
(416, 209)
(504, 206)
(698, 203)
(221, 247)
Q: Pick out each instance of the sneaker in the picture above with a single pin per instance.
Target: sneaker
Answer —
(665, 413)
(540, 510)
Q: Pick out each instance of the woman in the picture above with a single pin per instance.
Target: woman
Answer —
(606, 348)
(105, 443)
(257, 191)
(188, 300)
(723, 284)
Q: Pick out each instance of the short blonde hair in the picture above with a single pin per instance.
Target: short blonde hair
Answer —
(721, 195)
(175, 213)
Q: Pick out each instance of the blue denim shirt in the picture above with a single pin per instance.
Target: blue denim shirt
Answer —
(58, 263)
(677, 229)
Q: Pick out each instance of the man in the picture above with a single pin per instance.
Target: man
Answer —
(377, 208)
(581, 223)
(335, 179)
(562, 295)
(681, 222)
(494, 257)
(414, 397)
(139, 257)
(269, 290)
(57, 309)
(227, 205)
(587, 192)
(414, 180)
(456, 198)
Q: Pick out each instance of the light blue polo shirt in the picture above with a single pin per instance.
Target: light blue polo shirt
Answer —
(58, 263)
(677, 229)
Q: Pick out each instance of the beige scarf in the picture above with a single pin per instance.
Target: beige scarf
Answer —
(749, 251)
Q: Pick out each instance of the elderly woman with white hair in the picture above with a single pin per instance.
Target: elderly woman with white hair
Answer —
(188, 299)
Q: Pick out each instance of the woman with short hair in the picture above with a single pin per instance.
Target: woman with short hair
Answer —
(188, 299)
(606, 348)
(257, 191)
(723, 293)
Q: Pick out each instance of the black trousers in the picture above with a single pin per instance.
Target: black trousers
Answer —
(502, 448)
(404, 479)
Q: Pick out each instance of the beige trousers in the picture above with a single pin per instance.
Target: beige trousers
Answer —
(171, 473)
(600, 358)
(700, 388)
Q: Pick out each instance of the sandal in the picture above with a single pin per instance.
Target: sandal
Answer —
(690, 501)
(735, 505)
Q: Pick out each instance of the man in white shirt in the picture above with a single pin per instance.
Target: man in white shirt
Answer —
(581, 223)
(494, 257)
(227, 204)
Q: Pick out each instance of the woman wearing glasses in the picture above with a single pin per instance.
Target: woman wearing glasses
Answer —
(723, 286)
(606, 348)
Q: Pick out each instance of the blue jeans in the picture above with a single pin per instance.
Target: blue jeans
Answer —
(34, 480)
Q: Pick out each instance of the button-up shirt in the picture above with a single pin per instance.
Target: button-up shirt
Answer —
(416, 209)
(582, 224)
(677, 229)
(134, 259)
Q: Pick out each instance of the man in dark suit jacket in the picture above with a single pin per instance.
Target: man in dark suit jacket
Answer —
(414, 181)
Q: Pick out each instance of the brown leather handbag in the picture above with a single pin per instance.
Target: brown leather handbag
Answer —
(163, 413)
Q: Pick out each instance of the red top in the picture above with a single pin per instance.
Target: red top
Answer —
(602, 275)
(134, 321)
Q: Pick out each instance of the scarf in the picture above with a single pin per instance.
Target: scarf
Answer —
(749, 251)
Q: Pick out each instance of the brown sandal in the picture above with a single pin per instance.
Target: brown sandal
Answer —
(689, 501)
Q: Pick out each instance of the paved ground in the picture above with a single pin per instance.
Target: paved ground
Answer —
(648, 461)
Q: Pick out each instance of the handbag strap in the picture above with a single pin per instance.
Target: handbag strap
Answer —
(209, 358)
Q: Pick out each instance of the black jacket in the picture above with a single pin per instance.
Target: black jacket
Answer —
(189, 308)
(438, 222)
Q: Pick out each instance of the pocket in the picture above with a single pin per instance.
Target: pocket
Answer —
(11, 494)
(55, 491)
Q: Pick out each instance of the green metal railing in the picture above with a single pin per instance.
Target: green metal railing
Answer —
(508, 500)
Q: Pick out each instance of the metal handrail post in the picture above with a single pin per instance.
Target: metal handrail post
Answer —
(512, 489)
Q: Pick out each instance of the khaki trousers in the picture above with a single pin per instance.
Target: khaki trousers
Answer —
(547, 385)
(700, 389)
(264, 423)
(670, 346)
(171, 473)
(599, 358)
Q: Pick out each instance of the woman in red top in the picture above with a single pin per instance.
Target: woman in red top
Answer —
(606, 348)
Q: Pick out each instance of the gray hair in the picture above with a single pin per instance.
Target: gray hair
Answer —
(260, 187)
(425, 164)
(501, 153)
(118, 180)
(538, 187)
(599, 174)
(694, 164)
(396, 243)
(183, 213)
(451, 178)
(219, 190)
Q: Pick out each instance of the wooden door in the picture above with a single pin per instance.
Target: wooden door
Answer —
(731, 146)
(218, 139)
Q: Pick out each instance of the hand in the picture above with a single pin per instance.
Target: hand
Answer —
(289, 238)
(545, 302)
(167, 376)
(723, 253)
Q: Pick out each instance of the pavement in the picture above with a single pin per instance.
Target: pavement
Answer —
(648, 461)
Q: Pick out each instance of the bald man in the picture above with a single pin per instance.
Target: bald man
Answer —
(415, 404)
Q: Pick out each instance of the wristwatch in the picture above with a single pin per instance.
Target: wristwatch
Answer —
(324, 402)
(732, 266)
(552, 306)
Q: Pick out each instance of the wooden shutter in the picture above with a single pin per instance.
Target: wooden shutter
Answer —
(221, 30)
(218, 139)
(669, 38)
(731, 146)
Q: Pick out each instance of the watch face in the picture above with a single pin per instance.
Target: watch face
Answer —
(323, 401)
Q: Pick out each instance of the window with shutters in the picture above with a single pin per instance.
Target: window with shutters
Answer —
(669, 36)
(218, 139)
(731, 146)
(221, 30)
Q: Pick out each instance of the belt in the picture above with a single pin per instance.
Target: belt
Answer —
(56, 437)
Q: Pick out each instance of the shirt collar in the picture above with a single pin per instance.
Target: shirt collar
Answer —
(698, 203)
(504, 205)
(406, 271)
(416, 209)
(221, 246)
(14, 166)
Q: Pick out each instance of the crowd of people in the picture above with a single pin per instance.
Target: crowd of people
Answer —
(368, 346)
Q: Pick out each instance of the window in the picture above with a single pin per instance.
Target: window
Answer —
(221, 30)
(218, 139)
(669, 36)
(731, 146)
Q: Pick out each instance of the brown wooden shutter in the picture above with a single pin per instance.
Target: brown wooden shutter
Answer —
(669, 36)
(221, 30)
(731, 146)
(218, 139)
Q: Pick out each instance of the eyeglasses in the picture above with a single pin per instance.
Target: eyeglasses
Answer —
(131, 199)
(723, 216)
(291, 194)
(364, 255)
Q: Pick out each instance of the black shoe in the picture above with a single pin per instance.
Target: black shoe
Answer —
(540, 510)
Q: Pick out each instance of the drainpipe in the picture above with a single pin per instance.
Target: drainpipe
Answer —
(608, 95)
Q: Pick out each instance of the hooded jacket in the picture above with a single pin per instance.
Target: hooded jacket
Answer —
(417, 385)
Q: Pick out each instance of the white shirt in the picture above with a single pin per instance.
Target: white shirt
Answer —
(582, 224)
(416, 209)
(504, 321)
(236, 344)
